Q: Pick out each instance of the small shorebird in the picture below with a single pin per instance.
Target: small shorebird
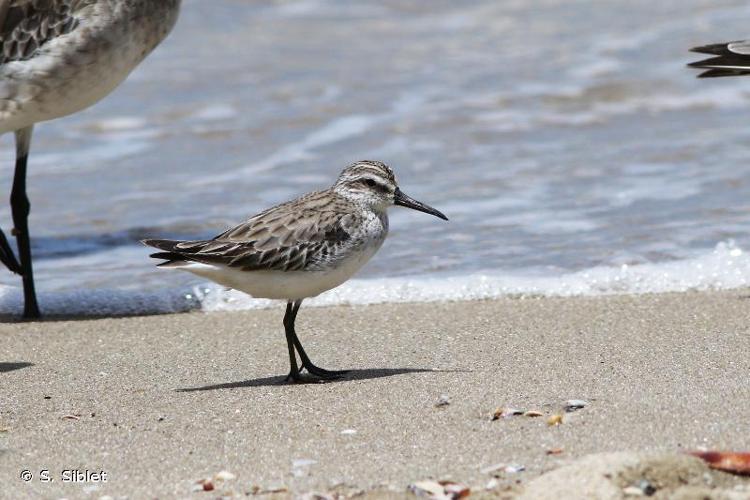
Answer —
(58, 57)
(730, 59)
(300, 248)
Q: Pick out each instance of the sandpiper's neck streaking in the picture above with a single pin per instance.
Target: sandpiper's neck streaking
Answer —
(58, 57)
(300, 248)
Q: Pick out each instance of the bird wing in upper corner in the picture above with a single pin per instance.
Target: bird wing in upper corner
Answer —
(730, 59)
(284, 238)
(26, 25)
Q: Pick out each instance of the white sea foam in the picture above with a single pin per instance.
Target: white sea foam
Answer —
(727, 266)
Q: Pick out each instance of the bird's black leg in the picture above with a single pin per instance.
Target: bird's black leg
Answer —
(306, 363)
(20, 208)
(289, 329)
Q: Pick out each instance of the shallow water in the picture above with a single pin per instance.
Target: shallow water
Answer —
(562, 138)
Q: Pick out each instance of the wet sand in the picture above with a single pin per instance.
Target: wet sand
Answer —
(161, 402)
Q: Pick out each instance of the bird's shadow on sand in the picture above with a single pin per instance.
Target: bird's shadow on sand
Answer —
(351, 375)
(9, 367)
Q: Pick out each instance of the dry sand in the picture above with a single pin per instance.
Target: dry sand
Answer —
(160, 402)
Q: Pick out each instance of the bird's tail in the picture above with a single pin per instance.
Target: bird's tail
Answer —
(727, 60)
(168, 253)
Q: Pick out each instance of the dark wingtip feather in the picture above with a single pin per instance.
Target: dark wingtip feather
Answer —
(166, 245)
(714, 48)
(165, 255)
(170, 258)
(731, 60)
(718, 72)
(697, 64)
(171, 263)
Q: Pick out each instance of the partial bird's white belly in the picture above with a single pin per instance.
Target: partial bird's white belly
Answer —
(286, 285)
(25, 103)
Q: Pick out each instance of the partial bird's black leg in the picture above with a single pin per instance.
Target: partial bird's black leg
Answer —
(7, 257)
(306, 363)
(20, 208)
(289, 330)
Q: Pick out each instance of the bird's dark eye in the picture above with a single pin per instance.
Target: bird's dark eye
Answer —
(370, 182)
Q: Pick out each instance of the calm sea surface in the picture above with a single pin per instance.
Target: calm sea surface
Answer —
(566, 140)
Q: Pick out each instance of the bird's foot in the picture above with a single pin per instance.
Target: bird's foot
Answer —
(315, 375)
(323, 373)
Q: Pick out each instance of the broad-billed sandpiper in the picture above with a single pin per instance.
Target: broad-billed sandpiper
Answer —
(300, 248)
(58, 57)
(730, 59)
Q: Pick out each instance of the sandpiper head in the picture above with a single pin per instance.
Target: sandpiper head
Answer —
(373, 183)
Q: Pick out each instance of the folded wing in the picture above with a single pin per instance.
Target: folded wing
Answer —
(284, 238)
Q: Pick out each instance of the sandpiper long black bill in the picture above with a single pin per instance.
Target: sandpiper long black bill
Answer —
(406, 201)
(300, 248)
